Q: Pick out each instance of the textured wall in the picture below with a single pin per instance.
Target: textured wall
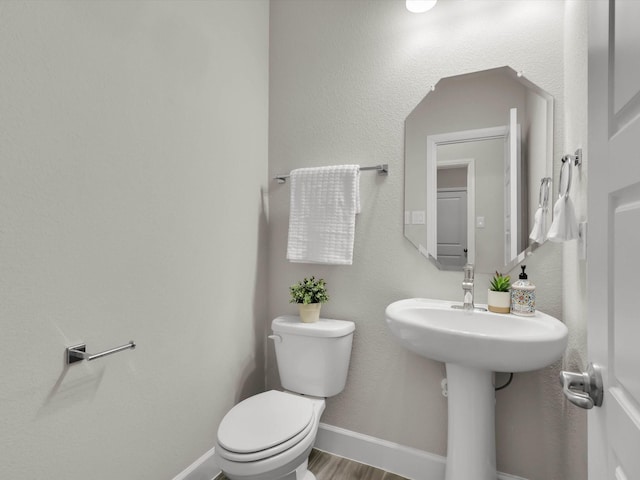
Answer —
(344, 76)
(574, 272)
(134, 150)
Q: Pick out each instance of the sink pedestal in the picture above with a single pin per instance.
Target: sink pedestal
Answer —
(473, 344)
(471, 445)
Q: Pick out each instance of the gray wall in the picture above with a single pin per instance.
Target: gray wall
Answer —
(344, 76)
(134, 150)
(134, 140)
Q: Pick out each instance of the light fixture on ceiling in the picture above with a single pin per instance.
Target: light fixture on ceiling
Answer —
(420, 6)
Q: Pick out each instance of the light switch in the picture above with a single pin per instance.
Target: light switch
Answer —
(479, 222)
(417, 217)
(407, 217)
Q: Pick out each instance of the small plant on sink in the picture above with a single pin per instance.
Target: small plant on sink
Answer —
(499, 298)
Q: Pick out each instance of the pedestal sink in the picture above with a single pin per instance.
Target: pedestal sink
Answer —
(473, 345)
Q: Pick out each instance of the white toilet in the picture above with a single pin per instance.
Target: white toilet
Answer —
(269, 436)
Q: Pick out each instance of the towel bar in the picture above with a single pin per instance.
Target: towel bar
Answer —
(382, 169)
(78, 353)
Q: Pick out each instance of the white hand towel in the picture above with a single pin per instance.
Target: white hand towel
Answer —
(565, 225)
(539, 223)
(324, 202)
(538, 232)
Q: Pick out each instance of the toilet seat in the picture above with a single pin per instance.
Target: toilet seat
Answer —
(265, 425)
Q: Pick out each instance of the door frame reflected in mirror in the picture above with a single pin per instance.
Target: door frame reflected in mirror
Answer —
(432, 208)
(433, 142)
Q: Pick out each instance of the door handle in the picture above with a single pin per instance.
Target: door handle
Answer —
(583, 389)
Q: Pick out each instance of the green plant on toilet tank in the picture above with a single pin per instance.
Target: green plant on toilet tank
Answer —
(499, 298)
(309, 294)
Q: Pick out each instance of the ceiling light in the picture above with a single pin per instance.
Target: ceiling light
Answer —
(420, 6)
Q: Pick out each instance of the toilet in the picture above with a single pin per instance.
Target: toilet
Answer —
(269, 436)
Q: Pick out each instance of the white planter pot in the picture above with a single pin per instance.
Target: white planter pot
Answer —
(310, 312)
(499, 302)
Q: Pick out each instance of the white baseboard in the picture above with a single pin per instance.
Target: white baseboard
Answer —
(204, 468)
(404, 461)
(407, 462)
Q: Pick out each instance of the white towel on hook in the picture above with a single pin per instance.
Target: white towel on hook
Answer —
(538, 232)
(324, 202)
(565, 225)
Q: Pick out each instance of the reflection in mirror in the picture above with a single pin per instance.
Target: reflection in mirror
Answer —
(476, 149)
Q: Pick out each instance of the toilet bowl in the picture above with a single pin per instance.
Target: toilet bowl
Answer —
(269, 436)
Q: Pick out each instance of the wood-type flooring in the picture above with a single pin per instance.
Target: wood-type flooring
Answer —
(330, 467)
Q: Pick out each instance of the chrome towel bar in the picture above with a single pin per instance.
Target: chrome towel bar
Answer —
(78, 353)
(382, 169)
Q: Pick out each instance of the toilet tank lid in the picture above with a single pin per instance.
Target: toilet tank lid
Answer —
(325, 327)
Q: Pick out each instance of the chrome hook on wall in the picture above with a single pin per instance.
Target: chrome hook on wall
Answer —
(568, 162)
(576, 158)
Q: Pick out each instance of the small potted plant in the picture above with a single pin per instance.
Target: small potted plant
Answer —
(499, 300)
(309, 294)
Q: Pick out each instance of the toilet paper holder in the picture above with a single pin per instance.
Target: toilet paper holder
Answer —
(77, 353)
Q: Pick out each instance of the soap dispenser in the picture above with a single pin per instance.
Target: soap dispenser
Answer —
(523, 296)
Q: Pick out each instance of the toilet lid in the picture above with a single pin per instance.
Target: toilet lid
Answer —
(264, 421)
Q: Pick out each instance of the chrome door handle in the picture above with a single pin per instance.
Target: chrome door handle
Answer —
(583, 389)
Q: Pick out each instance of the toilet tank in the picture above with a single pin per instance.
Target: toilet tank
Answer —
(313, 358)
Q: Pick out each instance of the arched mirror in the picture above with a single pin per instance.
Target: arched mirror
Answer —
(478, 147)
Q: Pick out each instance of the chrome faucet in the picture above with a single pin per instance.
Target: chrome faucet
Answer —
(467, 287)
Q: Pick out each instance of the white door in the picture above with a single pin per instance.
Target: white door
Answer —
(452, 227)
(613, 270)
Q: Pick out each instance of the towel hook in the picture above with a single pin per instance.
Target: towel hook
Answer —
(543, 194)
(570, 161)
(576, 158)
(569, 166)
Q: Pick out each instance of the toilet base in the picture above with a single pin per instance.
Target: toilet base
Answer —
(300, 473)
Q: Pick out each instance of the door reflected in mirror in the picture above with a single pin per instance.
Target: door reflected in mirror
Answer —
(476, 149)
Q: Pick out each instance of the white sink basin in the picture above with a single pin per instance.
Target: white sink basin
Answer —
(473, 344)
(483, 340)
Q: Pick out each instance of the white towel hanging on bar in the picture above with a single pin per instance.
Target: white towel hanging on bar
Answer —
(323, 204)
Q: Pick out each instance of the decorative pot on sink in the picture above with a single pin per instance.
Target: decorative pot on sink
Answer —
(473, 344)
